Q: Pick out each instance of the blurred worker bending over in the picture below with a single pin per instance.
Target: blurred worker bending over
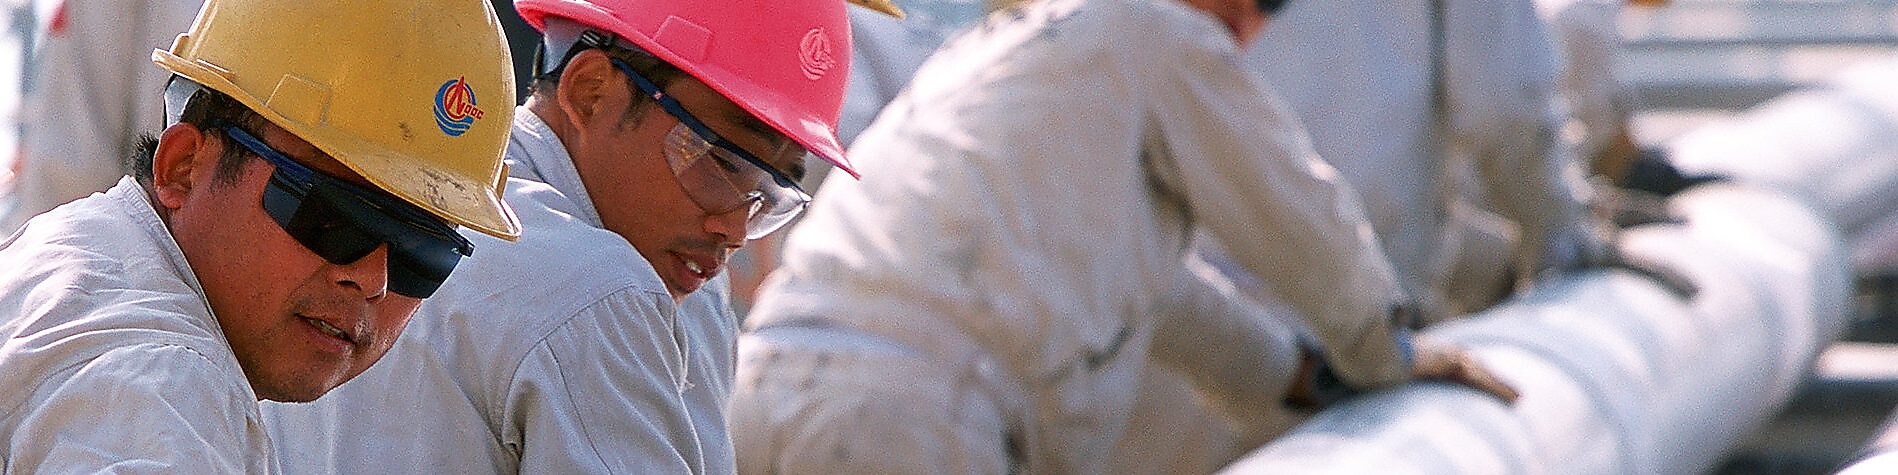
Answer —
(989, 300)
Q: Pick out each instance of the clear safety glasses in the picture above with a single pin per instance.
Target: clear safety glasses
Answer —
(342, 222)
(720, 176)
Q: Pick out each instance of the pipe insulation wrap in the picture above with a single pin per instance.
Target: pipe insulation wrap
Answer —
(1835, 146)
(1618, 374)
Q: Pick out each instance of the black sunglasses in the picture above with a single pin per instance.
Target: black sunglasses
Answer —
(342, 222)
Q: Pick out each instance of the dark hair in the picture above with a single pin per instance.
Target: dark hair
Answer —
(1271, 6)
(206, 109)
(659, 71)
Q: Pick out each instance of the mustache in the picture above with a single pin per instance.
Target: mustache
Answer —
(701, 245)
(356, 314)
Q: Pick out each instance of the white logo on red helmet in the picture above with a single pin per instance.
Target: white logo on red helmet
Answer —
(814, 54)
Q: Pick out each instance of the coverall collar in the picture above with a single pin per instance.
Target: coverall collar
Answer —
(535, 153)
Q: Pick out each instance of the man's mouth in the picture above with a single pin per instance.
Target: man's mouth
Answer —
(700, 267)
(329, 329)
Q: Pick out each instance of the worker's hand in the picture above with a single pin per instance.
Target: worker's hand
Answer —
(1446, 362)
(1606, 251)
(1303, 395)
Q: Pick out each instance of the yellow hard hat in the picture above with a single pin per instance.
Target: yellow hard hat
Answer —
(415, 96)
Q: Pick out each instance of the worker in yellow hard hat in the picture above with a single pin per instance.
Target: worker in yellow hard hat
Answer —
(272, 241)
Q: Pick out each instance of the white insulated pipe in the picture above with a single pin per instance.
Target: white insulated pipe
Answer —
(1834, 146)
(1618, 375)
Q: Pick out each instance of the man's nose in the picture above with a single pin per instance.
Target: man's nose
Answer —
(729, 226)
(368, 276)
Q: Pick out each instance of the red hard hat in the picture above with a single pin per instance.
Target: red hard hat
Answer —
(784, 61)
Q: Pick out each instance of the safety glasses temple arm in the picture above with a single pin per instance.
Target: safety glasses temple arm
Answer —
(302, 174)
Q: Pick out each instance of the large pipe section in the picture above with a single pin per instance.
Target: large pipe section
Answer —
(1618, 374)
(1841, 159)
(1834, 146)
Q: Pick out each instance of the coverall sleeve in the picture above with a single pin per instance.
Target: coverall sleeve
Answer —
(602, 393)
(1500, 90)
(1589, 46)
(138, 409)
(1252, 180)
(1226, 345)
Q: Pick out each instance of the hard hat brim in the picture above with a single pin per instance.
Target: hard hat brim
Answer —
(881, 6)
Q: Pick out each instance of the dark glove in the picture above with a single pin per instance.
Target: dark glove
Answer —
(1651, 173)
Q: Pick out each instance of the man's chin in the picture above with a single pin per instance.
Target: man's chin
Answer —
(295, 391)
(679, 291)
(300, 396)
(682, 286)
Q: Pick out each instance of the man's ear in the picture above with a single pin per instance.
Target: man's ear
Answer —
(180, 150)
(585, 86)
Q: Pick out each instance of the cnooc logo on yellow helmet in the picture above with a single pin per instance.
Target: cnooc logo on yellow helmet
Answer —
(455, 109)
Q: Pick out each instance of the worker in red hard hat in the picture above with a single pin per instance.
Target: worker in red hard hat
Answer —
(660, 136)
